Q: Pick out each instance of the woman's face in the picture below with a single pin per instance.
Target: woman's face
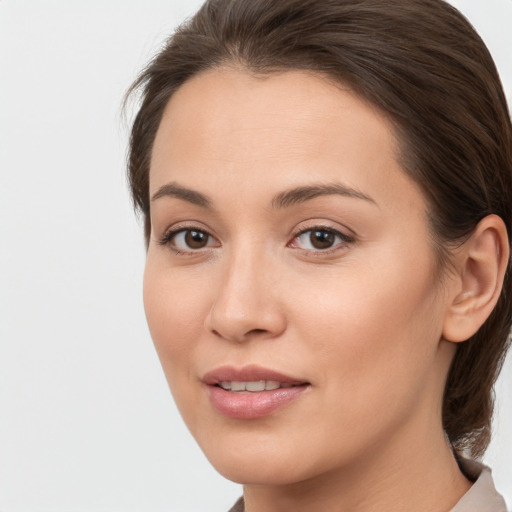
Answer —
(289, 285)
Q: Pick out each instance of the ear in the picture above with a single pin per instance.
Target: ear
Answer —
(481, 265)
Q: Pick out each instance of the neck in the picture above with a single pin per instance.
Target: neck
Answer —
(414, 472)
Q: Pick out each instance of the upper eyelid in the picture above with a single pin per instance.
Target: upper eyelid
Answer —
(318, 228)
(342, 236)
(179, 227)
(172, 232)
(345, 233)
(346, 237)
(176, 229)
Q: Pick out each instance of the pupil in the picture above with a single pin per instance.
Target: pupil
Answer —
(196, 239)
(321, 239)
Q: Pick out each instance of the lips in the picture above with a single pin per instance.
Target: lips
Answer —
(253, 386)
(251, 392)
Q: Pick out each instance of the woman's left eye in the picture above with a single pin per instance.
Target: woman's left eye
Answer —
(319, 239)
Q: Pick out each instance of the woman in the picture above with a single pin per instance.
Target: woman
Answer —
(326, 189)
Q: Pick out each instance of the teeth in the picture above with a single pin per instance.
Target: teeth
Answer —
(237, 386)
(254, 386)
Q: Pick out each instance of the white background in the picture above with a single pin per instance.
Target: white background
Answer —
(86, 420)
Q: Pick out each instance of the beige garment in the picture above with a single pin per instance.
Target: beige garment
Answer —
(481, 497)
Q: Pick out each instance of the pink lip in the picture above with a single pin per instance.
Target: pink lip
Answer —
(250, 405)
(249, 373)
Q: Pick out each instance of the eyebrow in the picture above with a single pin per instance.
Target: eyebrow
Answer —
(179, 192)
(306, 193)
(284, 199)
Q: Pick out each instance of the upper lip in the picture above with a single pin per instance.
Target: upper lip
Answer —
(250, 373)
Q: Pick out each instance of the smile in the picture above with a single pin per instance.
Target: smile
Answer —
(251, 392)
(254, 386)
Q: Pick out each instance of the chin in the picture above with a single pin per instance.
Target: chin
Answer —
(245, 461)
(258, 472)
(259, 460)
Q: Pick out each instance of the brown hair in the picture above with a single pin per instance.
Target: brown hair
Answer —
(420, 62)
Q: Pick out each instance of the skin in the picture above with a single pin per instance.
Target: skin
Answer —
(361, 321)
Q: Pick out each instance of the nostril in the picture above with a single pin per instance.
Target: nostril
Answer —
(225, 321)
(257, 331)
(243, 336)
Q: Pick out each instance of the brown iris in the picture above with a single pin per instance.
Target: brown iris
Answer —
(196, 239)
(322, 239)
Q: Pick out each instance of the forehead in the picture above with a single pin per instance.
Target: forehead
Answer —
(227, 127)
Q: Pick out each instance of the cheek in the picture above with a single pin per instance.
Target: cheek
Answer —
(375, 336)
(175, 309)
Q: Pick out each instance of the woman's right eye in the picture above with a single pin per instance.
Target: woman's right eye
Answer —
(189, 240)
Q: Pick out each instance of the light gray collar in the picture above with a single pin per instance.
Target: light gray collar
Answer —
(482, 496)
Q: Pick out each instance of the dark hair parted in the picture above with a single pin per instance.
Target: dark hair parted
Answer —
(425, 67)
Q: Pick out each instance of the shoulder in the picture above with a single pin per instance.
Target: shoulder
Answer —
(482, 495)
(238, 506)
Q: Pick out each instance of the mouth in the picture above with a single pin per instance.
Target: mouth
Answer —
(251, 392)
(257, 386)
(252, 379)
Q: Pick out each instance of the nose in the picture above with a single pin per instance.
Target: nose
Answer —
(247, 302)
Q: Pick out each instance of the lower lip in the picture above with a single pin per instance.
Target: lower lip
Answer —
(249, 405)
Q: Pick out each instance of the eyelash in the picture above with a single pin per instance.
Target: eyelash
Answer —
(173, 233)
(344, 239)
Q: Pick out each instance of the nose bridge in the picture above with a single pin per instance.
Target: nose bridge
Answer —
(241, 272)
(245, 304)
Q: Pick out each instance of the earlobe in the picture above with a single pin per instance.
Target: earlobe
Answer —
(481, 266)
